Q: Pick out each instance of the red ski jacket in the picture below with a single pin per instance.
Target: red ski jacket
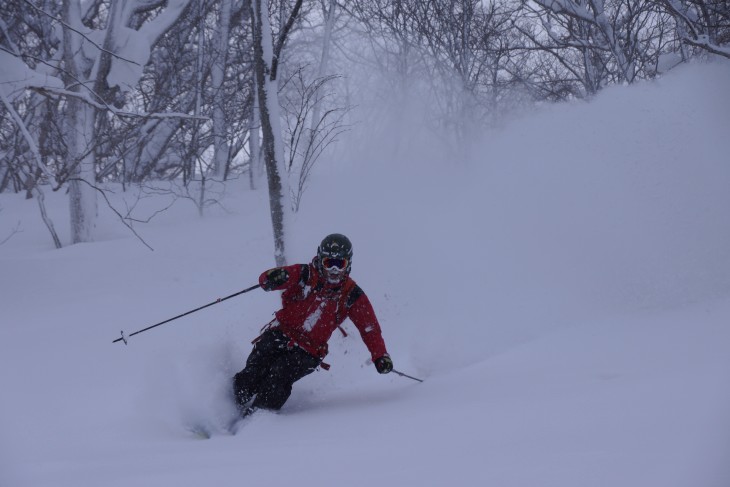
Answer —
(312, 309)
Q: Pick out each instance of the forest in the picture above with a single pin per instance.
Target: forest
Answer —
(194, 93)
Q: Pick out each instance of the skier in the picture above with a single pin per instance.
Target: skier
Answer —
(316, 299)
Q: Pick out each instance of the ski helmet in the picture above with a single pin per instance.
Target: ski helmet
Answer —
(334, 257)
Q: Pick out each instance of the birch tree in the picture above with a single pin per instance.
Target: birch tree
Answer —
(81, 119)
(328, 11)
(266, 60)
(220, 143)
(98, 64)
(254, 140)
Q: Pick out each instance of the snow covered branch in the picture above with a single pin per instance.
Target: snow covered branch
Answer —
(39, 164)
(78, 31)
(699, 25)
(703, 42)
(119, 113)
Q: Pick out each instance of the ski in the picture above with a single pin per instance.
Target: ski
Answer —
(235, 426)
(205, 430)
(199, 431)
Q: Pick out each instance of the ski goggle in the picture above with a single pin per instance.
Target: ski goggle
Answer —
(334, 263)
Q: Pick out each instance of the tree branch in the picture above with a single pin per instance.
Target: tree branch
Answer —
(12, 232)
(282, 38)
(79, 33)
(114, 111)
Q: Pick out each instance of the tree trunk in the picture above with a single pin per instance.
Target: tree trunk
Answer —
(254, 141)
(194, 153)
(322, 70)
(220, 143)
(273, 148)
(82, 194)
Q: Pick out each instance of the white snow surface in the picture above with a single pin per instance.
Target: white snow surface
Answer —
(564, 292)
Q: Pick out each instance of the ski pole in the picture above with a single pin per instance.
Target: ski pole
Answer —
(124, 337)
(406, 375)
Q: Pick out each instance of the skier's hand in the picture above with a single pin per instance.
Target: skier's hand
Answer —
(274, 278)
(384, 364)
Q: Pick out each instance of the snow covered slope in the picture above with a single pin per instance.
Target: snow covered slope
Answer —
(565, 293)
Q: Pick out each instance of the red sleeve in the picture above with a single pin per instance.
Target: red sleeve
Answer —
(363, 316)
(293, 271)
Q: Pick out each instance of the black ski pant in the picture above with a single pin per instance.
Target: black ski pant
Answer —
(271, 369)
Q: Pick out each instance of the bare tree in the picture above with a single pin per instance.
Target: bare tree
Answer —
(598, 42)
(266, 58)
(466, 53)
(41, 167)
(98, 56)
(310, 129)
(704, 24)
(220, 56)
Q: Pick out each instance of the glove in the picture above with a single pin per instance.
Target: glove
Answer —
(275, 278)
(384, 364)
